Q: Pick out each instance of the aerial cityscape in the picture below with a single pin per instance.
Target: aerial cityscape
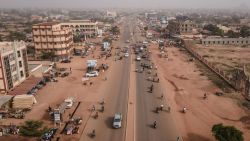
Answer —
(116, 70)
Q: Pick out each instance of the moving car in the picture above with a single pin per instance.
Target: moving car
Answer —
(117, 123)
(138, 58)
(126, 54)
(92, 74)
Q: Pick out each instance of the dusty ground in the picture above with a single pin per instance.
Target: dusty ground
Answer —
(184, 86)
(55, 92)
(226, 57)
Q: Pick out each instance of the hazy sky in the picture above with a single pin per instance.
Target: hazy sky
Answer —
(124, 3)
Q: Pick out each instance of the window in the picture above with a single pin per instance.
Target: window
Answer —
(15, 77)
(20, 64)
(18, 54)
(13, 67)
(21, 73)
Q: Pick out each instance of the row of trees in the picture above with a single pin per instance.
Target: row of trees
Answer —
(214, 30)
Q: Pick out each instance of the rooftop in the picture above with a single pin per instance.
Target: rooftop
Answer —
(47, 24)
(8, 46)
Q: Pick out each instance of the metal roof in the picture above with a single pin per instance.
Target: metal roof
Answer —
(4, 99)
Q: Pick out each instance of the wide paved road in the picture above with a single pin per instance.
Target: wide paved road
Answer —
(146, 104)
(116, 97)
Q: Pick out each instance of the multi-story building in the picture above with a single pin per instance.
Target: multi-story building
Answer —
(181, 27)
(85, 28)
(51, 37)
(13, 64)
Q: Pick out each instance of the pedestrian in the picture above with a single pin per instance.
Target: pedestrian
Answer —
(178, 139)
(70, 69)
(169, 109)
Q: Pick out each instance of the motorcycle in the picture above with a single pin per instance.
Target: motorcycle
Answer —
(102, 109)
(93, 133)
(157, 110)
(184, 110)
(154, 125)
(96, 115)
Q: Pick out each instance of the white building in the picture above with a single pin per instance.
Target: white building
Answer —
(85, 28)
(111, 14)
(13, 65)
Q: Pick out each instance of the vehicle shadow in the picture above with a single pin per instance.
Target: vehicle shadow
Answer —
(108, 122)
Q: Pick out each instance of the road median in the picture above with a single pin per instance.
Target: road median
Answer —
(130, 128)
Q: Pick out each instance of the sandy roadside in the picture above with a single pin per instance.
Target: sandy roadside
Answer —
(184, 86)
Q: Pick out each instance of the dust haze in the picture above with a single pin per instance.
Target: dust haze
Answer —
(125, 4)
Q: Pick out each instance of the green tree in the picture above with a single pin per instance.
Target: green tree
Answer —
(17, 36)
(232, 34)
(107, 39)
(48, 55)
(214, 30)
(33, 128)
(146, 28)
(1, 38)
(245, 31)
(115, 30)
(226, 133)
(77, 38)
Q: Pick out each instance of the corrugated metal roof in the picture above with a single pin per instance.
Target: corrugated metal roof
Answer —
(4, 99)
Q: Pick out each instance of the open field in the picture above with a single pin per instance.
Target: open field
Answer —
(226, 58)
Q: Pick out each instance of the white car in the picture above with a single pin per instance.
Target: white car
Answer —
(92, 74)
(117, 123)
(126, 54)
(138, 58)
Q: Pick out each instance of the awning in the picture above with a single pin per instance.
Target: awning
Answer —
(25, 86)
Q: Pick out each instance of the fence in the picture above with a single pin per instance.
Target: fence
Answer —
(239, 81)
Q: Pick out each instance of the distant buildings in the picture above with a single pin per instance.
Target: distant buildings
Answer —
(51, 37)
(111, 15)
(13, 64)
(85, 28)
(181, 27)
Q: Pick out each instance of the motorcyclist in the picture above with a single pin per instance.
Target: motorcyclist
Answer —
(93, 108)
(93, 132)
(162, 96)
(102, 108)
(205, 96)
(96, 115)
(161, 108)
(184, 109)
(155, 124)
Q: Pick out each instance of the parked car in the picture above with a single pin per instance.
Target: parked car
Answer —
(49, 135)
(117, 122)
(92, 74)
(66, 60)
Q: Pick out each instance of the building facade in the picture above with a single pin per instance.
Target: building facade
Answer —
(51, 37)
(13, 65)
(181, 27)
(225, 41)
(86, 28)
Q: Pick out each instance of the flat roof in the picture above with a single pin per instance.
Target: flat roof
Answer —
(47, 24)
